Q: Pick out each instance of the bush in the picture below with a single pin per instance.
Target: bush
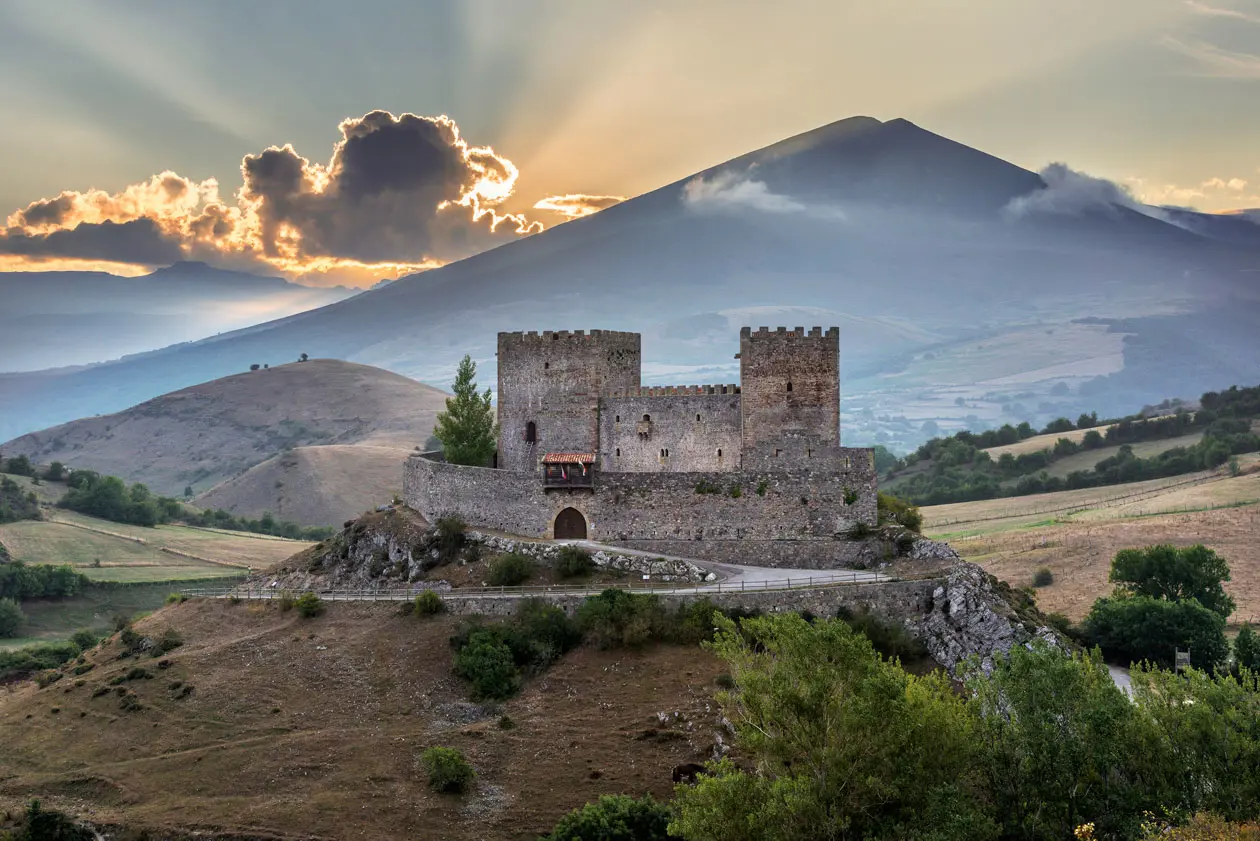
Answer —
(39, 824)
(308, 605)
(617, 618)
(1043, 577)
(506, 722)
(572, 561)
(449, 532)
(510, 570)
(1247, 649)
(448, 770)
(894, 510)
(615, 817)
(1132, 629)
(84, 639)
(486, 662)
(11, 618)
(21, 662)
(890, 639)
(176, 598)
(429, 603)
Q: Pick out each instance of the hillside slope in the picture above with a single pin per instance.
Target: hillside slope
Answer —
(297, 728)
(207, 433)
(313, 486)
(883, 222)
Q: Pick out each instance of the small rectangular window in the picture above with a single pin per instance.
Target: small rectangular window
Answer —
(619, 452)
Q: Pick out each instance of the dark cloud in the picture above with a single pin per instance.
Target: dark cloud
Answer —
(397, 194)
(137, 241)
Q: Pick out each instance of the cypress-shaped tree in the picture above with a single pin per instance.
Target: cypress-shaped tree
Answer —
(467, 428)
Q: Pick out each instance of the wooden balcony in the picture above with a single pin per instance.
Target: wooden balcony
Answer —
(568, 470)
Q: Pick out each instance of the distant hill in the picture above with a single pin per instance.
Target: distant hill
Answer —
(313, 486)
(205, 434)
(56, 319)
(915, 244)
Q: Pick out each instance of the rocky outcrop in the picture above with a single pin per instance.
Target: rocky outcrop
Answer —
(973, 614)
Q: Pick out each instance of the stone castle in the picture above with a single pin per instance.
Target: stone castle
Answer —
(748, 473)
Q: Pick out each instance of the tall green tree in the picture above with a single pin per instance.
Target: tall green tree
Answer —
(843, 744)
(467, 428)
(1175, 574)
(1247, 648)
(1060, 745)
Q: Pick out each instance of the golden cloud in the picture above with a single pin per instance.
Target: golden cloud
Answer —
(398, 195)
(577, 205)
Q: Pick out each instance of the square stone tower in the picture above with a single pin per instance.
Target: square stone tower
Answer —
(549, 388)
(790, 390)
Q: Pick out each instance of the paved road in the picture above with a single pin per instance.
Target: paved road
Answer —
(732, 576)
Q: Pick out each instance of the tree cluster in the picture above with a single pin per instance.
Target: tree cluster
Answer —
(22, 582)
(839, 743)
(110, 498)
(16, 504)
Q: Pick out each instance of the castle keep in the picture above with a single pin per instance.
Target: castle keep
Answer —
(750, 473)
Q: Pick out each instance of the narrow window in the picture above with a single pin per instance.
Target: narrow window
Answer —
(619, 452)
(789, 386)
(808, 452)
(531, 433)
(618, 418)
(697, 417)
(546, 365)
(776, 452)
(719, 452)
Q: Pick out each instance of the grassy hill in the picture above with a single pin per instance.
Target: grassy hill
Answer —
(217, 430)
(313, 486)
(1077, 533)
(313, 729)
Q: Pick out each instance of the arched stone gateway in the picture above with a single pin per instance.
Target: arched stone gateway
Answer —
(570, 525)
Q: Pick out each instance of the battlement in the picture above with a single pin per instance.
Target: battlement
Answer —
(795, 332)
(535, 337)
(675, 390)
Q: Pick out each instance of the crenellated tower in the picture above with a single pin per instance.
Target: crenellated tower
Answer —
(790, 397)
(549, 388)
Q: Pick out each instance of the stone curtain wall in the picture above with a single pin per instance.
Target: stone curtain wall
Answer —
(797, 515)
(555, 379)
(692, 424)
(785, 429)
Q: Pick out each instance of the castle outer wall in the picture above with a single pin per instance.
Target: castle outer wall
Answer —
(798, 519)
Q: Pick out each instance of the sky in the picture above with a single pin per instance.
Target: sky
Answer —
(347, 142)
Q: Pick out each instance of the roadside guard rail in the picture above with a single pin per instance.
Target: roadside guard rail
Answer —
(664, 588)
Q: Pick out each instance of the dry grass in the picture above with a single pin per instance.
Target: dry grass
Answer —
(1223, 513)
(210, 432)
(312, 728)
(314, 486)
(134, 554)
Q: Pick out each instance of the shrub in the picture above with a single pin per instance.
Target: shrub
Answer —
(890, 639)
(429, 603)
(39, 824)
(704, 486)
(894, 510)
(177, 598)
(486, 662)
(736, 491)
(286, 601)
(858, 531)
(169, 641)
(572, 561)
(308, 605)
(11, 618)
(449, 532)
(762, 487)
(506, 722)
(1043, 577)
(615, 817)
(850, 496)
(617, 618)
(448, 770)
(510, 570)
(84, 639)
